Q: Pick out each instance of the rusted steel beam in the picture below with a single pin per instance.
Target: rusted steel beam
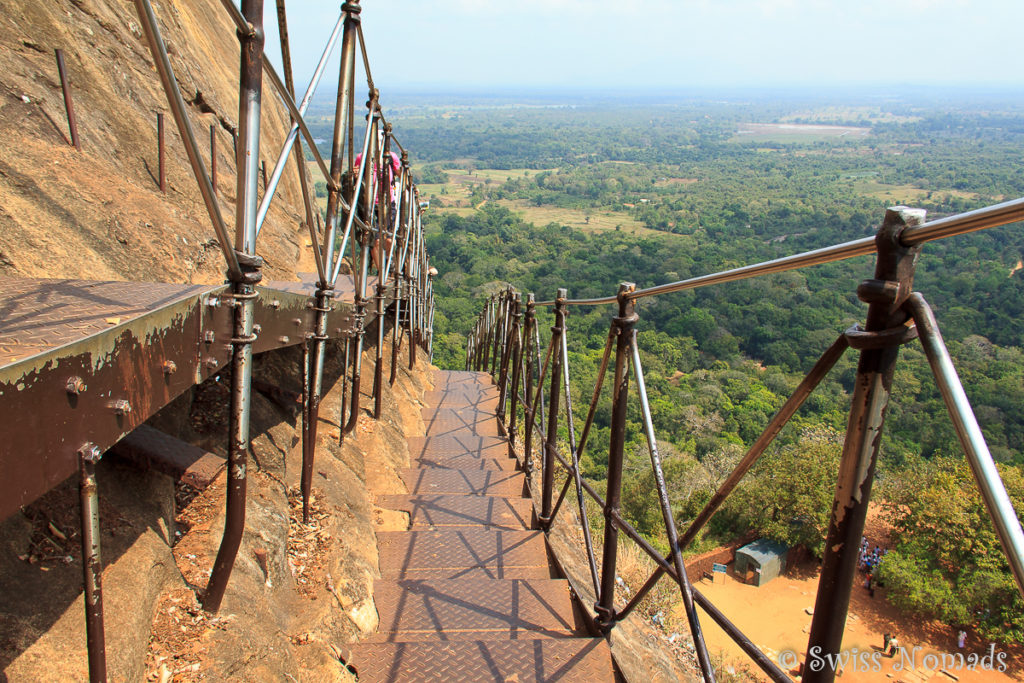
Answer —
(148, 344)
(885, 296)
(69, 106)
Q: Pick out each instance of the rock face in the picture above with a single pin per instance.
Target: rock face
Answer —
(99, 213)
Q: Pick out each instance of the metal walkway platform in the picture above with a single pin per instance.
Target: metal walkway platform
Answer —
(469, 593)
(85, 362)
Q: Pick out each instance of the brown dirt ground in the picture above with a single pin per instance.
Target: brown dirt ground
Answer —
(787, 599)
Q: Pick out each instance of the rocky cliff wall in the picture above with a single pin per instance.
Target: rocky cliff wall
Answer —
(99, 213)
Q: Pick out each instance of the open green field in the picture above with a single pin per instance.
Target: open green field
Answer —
(601, 220)
(797, 132)
(904, 193)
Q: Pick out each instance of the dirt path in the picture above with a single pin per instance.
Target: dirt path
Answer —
(776, 618)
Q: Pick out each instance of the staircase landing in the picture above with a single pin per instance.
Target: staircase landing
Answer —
(469, 593)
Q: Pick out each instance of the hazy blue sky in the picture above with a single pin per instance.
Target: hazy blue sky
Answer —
(668, 44)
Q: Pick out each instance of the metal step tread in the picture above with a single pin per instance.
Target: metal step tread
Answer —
(452, 551)
(503, 608)
(436, 480)
(462, 511)
(457, 444)
(462, 422)
(466, 462)
(525, 661)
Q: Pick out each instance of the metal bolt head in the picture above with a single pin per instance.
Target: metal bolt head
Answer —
(297, 321)
(275, 304)
(90, 452)
(121, 406)
(257, 328)
(169, 367)
(76, 385)
(209, 336)
(283, 339)
(212, 363)
(212, 302)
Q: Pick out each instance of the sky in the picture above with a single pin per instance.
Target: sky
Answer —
(624, 45)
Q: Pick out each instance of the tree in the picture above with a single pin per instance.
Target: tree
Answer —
(788, 494)
(947, 563)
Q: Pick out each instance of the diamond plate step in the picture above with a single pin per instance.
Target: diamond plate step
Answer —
(447, 379)
(462, 422)
(458, 444)
(487, 609)
(462, 511)
(467, 462)
(524, 661)
(454, 552)
(454, 396)
(459, 454)
(436, 480)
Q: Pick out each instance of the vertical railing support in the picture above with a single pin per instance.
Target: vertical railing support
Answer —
(506, 358)
(373, 116)
(551, 441)
(885, 296)
(516, 342)
(385, 218)
(244, 293)
(343, 113)
(530, 323)
(500, 310)
(92, 565)
(624, 324)
(401, 237)
(314, 375)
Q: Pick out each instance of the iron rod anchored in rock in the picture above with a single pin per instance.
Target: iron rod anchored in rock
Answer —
(68, 104)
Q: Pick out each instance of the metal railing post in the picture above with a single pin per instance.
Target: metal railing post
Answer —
(400, 238)
(343, 118)
(385, 183)
(92, 565)
(886, 318)
(551, 441)
(244, 293)
(314, 375)
(361, 300)
(501, 307)
(517, 369)
(530, 323)
(624, 324)
(983, 467)
(506, 358)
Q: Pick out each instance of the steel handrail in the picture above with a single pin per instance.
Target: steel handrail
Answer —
(897, 243)
(951, 226)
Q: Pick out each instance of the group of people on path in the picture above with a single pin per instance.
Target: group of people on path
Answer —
(869, 561)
